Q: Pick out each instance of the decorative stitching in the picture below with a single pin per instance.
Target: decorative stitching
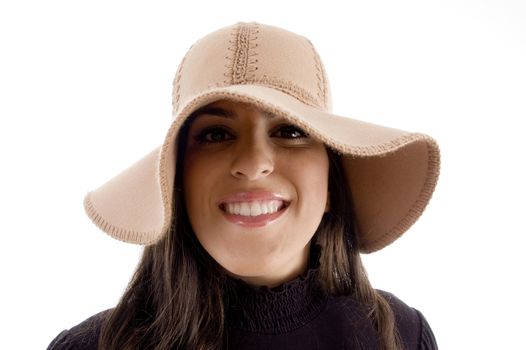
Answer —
(288, 87)
(119, 233)
(176, 85)
(322, 80)
(229, 65)
(241, 66)
(241, 56)
(246, 74)
(252, 45)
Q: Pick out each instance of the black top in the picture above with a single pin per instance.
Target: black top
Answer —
(294, 315)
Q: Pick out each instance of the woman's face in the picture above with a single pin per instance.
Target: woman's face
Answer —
(255, 188)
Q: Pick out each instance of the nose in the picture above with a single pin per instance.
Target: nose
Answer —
(254, 159)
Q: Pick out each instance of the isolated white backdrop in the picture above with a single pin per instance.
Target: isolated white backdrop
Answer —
(85, 90)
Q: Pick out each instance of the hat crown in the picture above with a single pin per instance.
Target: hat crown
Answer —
(257, 54)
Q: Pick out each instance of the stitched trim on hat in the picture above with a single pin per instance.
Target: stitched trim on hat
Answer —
(176, 85)
(375, 150)
(241, 63)
(119, 233)
(322, 78)
(289, 88)
(285, 86)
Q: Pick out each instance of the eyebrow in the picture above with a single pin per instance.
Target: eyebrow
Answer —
(225, 113)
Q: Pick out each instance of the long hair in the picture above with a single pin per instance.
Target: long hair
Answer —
(175, 299)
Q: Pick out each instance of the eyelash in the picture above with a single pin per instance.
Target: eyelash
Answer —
(202, 136)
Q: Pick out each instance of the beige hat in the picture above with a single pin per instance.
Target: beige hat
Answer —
(392, 173)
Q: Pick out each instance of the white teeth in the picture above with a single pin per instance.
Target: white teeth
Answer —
(253, 208)
(245, 209)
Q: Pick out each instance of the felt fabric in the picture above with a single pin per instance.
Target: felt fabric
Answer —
(391, 173)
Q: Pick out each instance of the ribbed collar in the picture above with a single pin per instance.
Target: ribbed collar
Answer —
(279, 309)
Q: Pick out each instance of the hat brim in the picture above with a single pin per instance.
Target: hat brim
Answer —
(392, 173)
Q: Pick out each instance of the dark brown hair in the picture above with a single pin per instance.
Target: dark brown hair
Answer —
(175, 299)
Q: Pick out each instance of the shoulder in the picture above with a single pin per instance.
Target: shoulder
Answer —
(84, 336)
(413, 328)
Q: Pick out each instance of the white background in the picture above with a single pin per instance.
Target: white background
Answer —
(85, 90)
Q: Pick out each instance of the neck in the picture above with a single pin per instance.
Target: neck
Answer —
(275, 310)
(290, 270)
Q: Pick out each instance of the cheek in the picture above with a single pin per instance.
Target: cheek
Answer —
(309, 174)
(202, 179)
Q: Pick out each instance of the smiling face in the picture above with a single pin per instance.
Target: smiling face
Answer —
(255, 189)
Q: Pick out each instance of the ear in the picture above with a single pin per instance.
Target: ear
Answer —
(328, 202)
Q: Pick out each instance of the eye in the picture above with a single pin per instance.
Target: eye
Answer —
(213, 134)
(289, 131)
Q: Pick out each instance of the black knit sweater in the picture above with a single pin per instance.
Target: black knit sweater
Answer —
(294, 315)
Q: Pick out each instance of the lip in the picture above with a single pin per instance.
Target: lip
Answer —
(251, 196)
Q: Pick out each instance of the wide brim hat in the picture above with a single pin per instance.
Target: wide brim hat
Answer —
(392, 173)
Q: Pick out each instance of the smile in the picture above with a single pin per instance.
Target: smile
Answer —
(254, 208)
(255, 213)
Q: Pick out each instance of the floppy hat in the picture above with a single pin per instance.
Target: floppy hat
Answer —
(392, 173)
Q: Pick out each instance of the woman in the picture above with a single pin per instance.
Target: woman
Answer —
(255, 209)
